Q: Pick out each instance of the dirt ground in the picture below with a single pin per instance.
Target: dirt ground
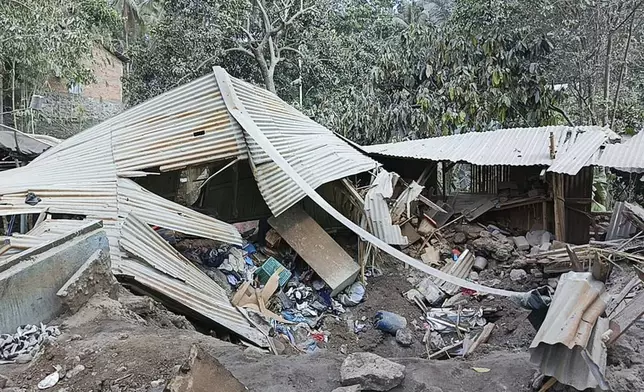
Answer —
(125, 347)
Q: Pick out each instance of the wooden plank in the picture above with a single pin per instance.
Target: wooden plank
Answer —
(560, 208)
(624, 319)
(576, 264)
(335, 266)
(614, 303)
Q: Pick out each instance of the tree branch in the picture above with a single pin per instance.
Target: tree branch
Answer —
(286, 22)
(289, 49)
(240, 49)
(267, 21)
(630, 15)
(563, 113)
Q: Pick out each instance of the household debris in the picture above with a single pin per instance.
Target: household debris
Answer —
(23, 346)
(316, 248)
(371, 372)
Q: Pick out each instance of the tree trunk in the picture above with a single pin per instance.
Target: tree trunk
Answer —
(622, 71)
(609, 49)
(269, 80)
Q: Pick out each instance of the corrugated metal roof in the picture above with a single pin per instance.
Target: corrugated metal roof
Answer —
(183, 281)
(27, 144)
(575, 147)
(315, 152)
(377, 210)
(571, 326)
(628, 156)
(89, 173)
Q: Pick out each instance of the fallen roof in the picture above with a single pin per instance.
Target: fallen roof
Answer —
(628, 156)
(575, 147)
(28, 145)
(573, 327)
(90, 175)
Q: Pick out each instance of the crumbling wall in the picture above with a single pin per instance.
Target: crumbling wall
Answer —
(28, 287)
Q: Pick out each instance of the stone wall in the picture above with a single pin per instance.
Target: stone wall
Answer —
(66, 113)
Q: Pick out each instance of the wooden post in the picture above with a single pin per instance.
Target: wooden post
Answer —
(560, 208)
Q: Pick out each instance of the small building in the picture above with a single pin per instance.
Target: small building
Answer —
(70, 108)
(525, 178)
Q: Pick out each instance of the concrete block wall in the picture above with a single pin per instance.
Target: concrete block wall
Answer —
(29, 285)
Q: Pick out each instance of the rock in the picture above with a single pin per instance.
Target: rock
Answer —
(123, 336)
(75, 371)
(404, 337)
(457, 299)
(94, 276)
(221, 280)
(24, 358)
(430, 291)
(496, 246)
(558, 245)
(157, 383)
(202, 372)
(479, 263)
(280, 347)
(371, 372)
(546, 237)
(553, 282)
(64, 389)
(474, 276)
(352, 388)
(536, 273)
(436, 341)
(460, 238)
(544, 247)
(518, 274)
(121, 369)
(534, 251)
(4, 381)
(521, 243)
(75, 337)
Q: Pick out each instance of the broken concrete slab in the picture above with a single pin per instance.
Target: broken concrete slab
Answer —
(203, 373)
(94, 276)
(521, 243)
(335, 266)
(371, 372)
(518, 274)
(28, 288)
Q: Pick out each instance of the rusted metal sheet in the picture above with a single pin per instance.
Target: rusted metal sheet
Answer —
(572, 325)
(513, 147)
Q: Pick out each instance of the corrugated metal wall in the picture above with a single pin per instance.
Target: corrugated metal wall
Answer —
(578, 192)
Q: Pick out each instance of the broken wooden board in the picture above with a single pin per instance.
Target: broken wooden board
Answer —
(410, 232)
(627, 317)
(335, 266)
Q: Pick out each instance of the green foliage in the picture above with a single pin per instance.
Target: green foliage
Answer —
(471, 74)
(44, 37)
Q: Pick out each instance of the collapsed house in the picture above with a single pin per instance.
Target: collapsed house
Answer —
(526, 177)
(91, 176)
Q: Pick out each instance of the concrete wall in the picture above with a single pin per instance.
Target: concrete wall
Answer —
(28, 286)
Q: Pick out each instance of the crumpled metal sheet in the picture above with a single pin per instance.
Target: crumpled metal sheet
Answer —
(572, 325)
(575, 147)
(627, 156)
(377, 210)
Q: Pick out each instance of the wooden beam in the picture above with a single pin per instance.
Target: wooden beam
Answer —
(614, 303)
(624, 319)
(560, 208)
(576, 264)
